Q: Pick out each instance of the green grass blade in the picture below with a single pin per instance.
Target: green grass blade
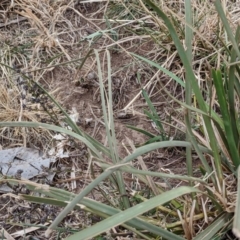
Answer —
(170, 74)
(153, 146)
(231, 94)
(44, 200)
(232, 145)
(96, 211)
(93, 206)
(192, 139)
(53, 128)
(135, 222)
(109, 125)
(135, 211)
(154, 139)
(222, 134)
(153, 174)
(212, 230)
(109, 171)
(188, 91)
(153, 115)
(101, 210)
(78, 198)
(236, 221)
(237, 83)
(106, 106)
(218, 6)
(141, 131)
(195, 86)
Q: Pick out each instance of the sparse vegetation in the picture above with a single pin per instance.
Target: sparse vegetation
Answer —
(146, 96)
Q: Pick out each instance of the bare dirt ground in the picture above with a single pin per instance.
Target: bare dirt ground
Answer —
(36, 39)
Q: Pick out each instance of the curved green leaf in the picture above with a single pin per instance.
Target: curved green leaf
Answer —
(53, 128)
(132, 212)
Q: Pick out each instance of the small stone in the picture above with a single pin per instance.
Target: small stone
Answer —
(91, 76)
(88, 121)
